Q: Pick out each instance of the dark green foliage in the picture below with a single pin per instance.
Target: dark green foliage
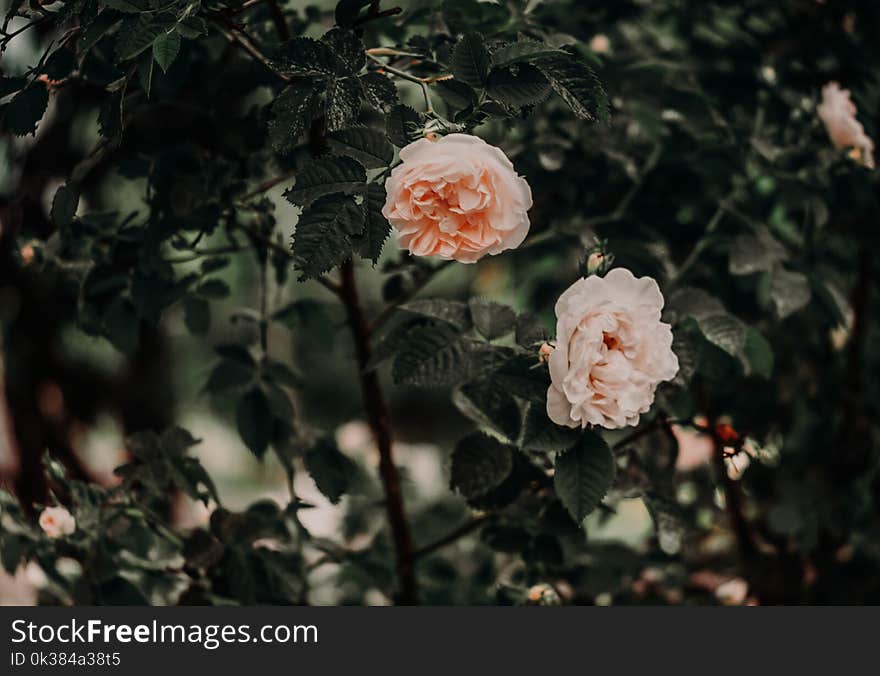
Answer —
(142, 225)
(584, 474)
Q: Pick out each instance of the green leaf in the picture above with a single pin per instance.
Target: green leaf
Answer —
(326, 176)
(370, 243)
(758, 353)
(228, 374)
(309, 316)
(470, 60)
(237, 353)
(577, 85)
(165, 49)
(348, 48)
(492, 319)
(402, 125)
(789, 292)
(429, 355)
(453, 312)
(726, 332)
(530, 331)
(380, 90)
(292, 113)
(755, 253)
(332, 471)
(64, 205)
(480, 464)
(457, 95)
(344, 100)
(524, 377)
(369, 147)
(584, 473)
(254, 420)
(304, 57)
(213, 288)
(322, 236)
(488, 404)
(137, 34)
(542, 434)
(522, 50)
(26, 108)
(197, 315)
(524, 85)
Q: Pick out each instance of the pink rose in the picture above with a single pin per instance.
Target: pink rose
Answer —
(838, 113)
(457, 198)
(57, 521)
(611, 352)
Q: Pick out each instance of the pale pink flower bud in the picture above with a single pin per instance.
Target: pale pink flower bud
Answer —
(57, 521)
(838, 113)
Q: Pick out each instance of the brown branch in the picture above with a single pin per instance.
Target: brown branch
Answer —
(733, 500)
(279, 20)
(379, 419)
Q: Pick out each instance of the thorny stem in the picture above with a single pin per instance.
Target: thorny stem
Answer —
(453, 536)
(423, 82)
(379, 419)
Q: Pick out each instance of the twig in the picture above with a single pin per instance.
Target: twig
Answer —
(372, 16)
(237, 36)
(379, 419)
(267, 185)
(451, 537)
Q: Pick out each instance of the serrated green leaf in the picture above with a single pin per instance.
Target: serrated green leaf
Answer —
(166, 48)
(292, 113)
(522, 50)
(344, 99)
(64, 205)
(402, 125)
(368, 146)
(530, 331)
(577, 85)
(488, 404)
(523, 86)
(542, 434)
(348, 48)
(370, 243)
(304, 57)
(327, 176)
(471, 60)
(457, 95)
(453, 312)
(757, 252)
(254, 421)
(429, 355)
(524, 377)
(322, 238)
(137, 34)
(26, 108)
(583, 475)
(480, 464)
(379, 90)
(492, 319)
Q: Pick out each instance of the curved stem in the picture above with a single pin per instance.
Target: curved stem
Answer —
(380, 423)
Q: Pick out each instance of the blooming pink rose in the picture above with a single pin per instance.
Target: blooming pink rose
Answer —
(611, 352)
(457, 198)
(57, 521)
(838, 113)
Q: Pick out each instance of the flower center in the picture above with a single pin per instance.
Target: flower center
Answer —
(611, 342)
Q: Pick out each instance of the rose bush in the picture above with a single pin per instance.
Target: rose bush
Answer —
(619, 350)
